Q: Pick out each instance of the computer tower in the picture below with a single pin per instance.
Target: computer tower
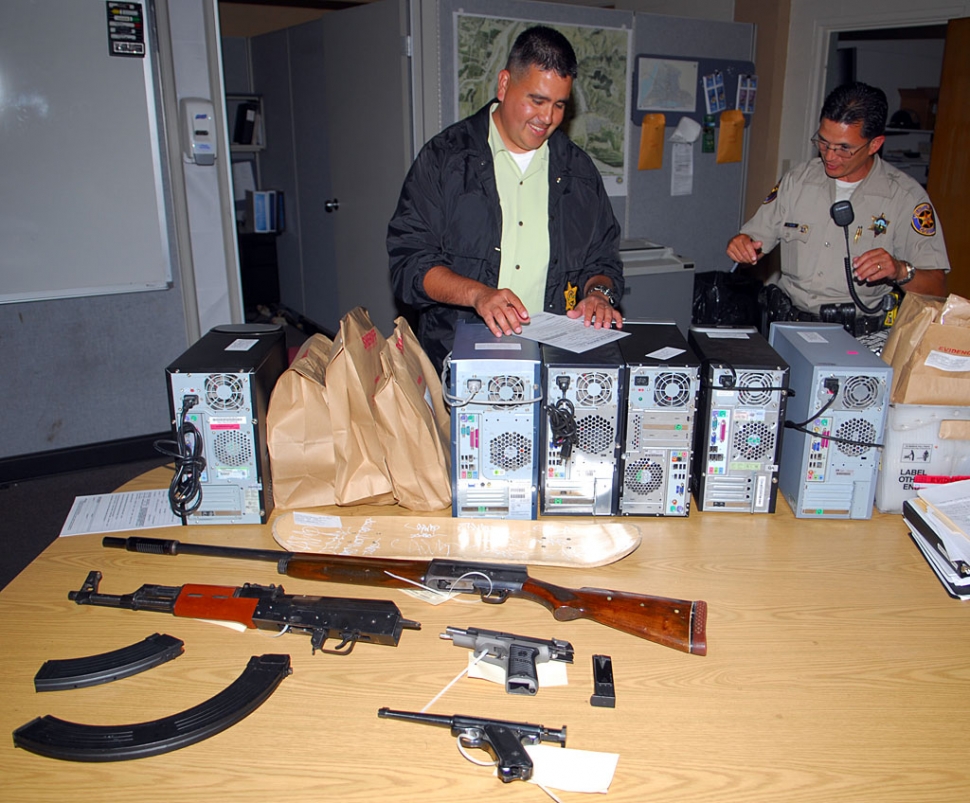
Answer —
(741, 415)
(581, 430)
(659, 415)
(841, 396)
(221, 386)
(495, 394)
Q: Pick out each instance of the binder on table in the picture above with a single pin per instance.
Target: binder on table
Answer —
(930, 535)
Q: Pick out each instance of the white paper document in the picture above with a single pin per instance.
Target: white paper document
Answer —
(953, 500)
(108, 513)
(955, 541)
(682, 169)
(948, 513)
(571, 334)
(572, 770)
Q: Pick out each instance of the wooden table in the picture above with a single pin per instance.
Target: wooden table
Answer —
(838, 670)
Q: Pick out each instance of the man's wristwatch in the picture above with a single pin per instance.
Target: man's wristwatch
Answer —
(910, 272)
(608, 292)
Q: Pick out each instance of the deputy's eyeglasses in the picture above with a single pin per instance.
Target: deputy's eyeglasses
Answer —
(839, 151)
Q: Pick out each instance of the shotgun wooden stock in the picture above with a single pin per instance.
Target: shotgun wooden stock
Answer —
(675, 623)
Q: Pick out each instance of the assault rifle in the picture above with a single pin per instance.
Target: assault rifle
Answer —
(676, 623)
(265, 607)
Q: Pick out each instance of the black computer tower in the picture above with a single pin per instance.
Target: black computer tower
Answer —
(229, 374)
(741, 415)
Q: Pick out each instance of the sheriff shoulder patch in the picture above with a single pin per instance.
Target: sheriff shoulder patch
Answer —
(924, 221)
(771, 195)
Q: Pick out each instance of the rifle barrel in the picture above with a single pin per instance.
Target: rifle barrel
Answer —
(172, 546)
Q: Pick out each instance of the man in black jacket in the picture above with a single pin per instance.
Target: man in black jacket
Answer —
(501, 213)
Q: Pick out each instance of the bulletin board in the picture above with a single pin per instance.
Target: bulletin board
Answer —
(673, 78)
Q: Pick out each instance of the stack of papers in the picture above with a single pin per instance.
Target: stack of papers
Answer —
(939, 523)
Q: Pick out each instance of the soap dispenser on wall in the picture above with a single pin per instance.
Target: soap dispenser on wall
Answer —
(198, 131)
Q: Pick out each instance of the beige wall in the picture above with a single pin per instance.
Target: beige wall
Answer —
(771, 18)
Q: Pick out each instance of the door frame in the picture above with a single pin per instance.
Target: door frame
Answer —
(807, 61)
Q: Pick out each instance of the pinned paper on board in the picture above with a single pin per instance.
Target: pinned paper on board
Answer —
(730, 143)
(682, 156)
(652, 142)
(747, 93)
(715, 98)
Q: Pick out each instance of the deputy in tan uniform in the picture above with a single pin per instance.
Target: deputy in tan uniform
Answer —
(895, 237)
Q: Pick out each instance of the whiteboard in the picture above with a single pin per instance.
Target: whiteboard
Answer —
(82, 196)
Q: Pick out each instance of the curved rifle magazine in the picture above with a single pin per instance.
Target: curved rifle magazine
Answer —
(92, 670)
(72, 741)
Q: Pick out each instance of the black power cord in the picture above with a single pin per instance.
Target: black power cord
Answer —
(185, 490)
(831, 384)
(731, 382)
(562, 421)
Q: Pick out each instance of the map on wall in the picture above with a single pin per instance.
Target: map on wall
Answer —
(596, 118)
(666, 85)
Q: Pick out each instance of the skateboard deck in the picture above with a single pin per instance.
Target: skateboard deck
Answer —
(540, 543)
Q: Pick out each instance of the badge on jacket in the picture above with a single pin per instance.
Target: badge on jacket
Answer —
(570, 294)
(771, 195)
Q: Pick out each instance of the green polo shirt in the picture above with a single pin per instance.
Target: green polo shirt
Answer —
(524, 197)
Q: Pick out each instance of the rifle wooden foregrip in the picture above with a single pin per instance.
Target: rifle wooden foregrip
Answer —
(215, 602)
(382, 572)
(677, 623)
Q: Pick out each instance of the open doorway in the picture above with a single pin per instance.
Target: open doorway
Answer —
(906, 64)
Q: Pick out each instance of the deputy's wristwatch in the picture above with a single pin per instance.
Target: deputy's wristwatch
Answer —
(910, 272)
(609, 292)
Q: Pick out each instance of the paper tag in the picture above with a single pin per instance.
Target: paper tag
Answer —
(549, 673)
(572, 770)
(241, 344)
(942, 361)
(728, 334)
(316, 520)
(431, 597)
(666, 353)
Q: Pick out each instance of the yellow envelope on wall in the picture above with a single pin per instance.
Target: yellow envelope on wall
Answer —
(651, 142)
(730, 141)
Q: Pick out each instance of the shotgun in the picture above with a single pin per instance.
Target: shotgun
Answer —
(675, 623)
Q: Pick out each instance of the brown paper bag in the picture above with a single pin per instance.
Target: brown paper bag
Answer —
(931, 356)
(299, 431)
(354, 373)
(956, 311)
(414, 423)
(915, 314)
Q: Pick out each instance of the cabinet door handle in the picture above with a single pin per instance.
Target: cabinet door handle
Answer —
(331, 206)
